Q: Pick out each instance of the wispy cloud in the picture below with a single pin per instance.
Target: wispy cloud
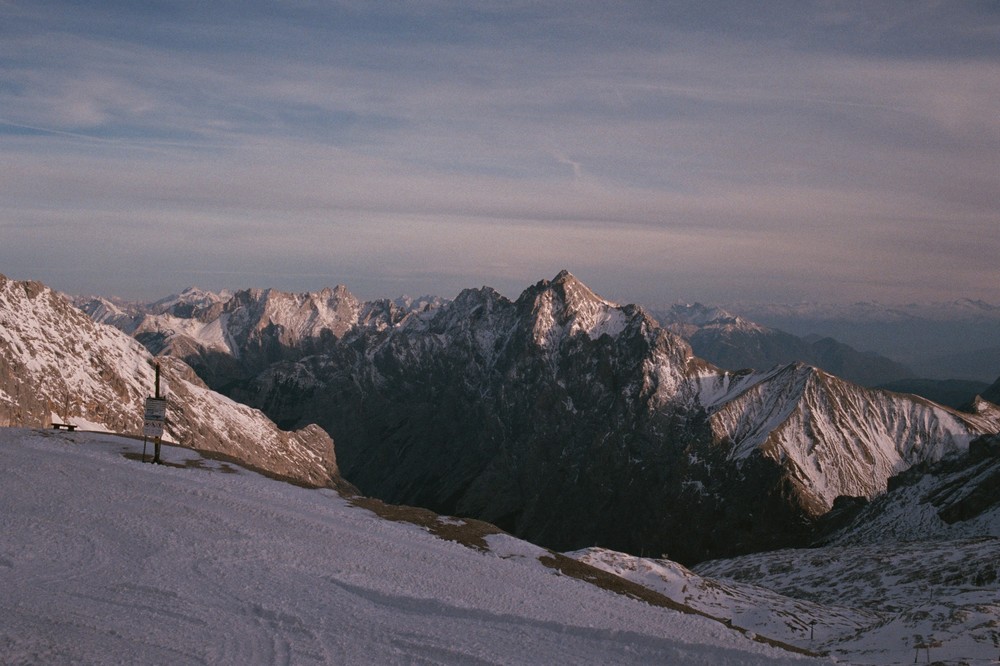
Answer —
(673, 150)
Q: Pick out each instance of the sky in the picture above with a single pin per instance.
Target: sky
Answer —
(660, 151)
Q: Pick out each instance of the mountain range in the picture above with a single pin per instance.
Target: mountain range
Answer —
(560, 416)
(951, 340)
(732, 342)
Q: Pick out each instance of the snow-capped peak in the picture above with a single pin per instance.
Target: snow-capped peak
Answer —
(566, 306)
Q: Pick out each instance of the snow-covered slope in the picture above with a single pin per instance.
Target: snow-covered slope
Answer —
(955, 498)
(105, 560)
(56, 364)
(834, 438)
(796, 621)
(943, 595)
(869, 604)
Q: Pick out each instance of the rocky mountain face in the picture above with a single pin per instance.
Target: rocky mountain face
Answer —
(916, 565)
(957, 497)
(232, 337)
(733, 343)
(831, 437)
(58, 364)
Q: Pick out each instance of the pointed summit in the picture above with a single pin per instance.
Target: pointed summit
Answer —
(564, 276)
(573, 293)
(567, 306)
(576, 294)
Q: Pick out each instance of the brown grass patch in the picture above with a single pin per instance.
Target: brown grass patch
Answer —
(466, 531)
(230, 463)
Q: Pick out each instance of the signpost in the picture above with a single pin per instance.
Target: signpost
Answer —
(153, 420)
(156, 413)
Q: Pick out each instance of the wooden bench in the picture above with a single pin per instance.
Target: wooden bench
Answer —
(60, 426)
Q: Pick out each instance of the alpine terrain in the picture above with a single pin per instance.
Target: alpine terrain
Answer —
(564, 418)
(559, 415)
(57, 365)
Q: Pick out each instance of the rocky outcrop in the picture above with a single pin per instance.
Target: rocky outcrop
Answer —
(953, 498)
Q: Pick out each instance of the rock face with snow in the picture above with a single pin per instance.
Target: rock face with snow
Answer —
(957, 497)
(734, 343)
(831, 437)
(234, 337)
(58, 364)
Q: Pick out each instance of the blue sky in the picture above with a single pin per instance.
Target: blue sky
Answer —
(661, 151)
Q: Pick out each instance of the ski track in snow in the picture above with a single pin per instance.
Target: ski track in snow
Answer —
(106, 560)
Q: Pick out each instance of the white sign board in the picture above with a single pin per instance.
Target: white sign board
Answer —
(156, 409)
(156, 414)
(152, 429)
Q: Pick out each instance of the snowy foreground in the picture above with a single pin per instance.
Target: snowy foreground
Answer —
(107, 560)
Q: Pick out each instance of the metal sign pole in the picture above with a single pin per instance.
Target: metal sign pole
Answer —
(156, 440)
(153, 420)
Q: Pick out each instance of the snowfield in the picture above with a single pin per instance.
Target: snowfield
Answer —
(863, 604)
(107, 560)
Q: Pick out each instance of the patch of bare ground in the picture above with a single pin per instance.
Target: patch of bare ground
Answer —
(466, 531)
